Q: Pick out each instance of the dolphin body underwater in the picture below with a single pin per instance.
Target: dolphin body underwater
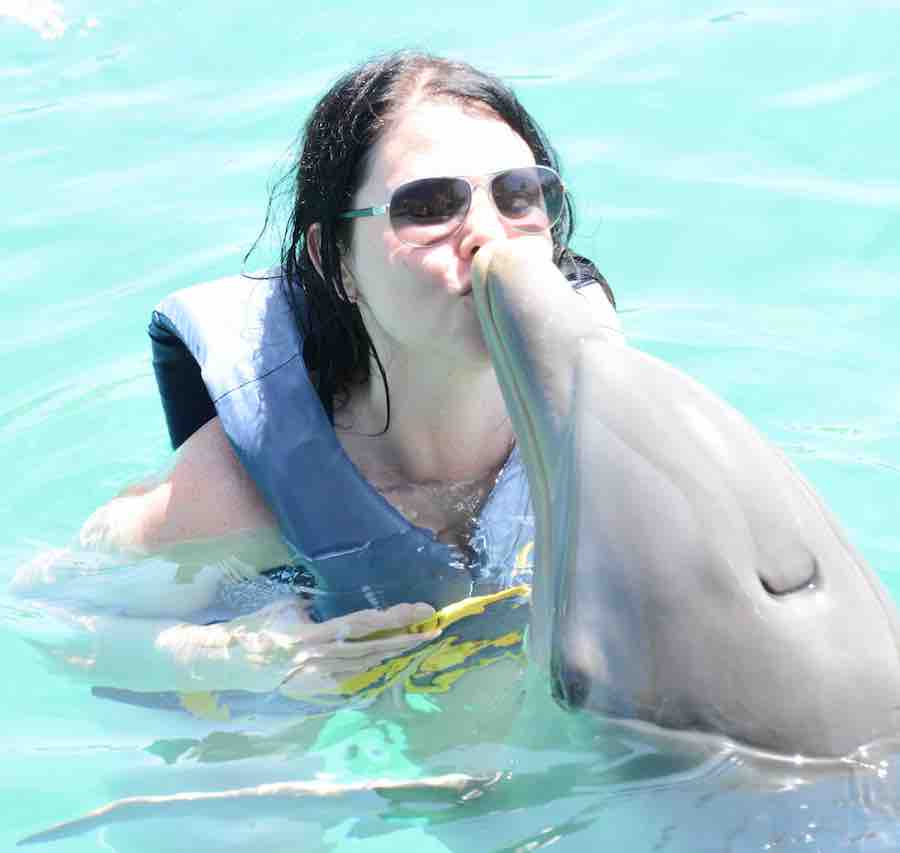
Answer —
(686, 576)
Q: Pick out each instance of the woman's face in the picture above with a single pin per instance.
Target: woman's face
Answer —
(416, 302)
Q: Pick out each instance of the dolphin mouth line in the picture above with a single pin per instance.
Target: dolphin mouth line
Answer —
(529, 441)
(537, 464)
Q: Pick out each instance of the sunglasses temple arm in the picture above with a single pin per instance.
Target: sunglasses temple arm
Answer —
(364, 211)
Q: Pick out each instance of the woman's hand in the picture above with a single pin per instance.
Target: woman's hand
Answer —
(42, 571)
(276, 648)
(341, 649)
(280, 647)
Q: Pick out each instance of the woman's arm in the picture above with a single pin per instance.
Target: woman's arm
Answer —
(157, 554)
(207, 496)
(180, 536)
(276, 648)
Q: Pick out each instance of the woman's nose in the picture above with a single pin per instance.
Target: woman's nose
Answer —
(481, 225)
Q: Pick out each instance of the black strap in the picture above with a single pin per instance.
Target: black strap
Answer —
(186, 402)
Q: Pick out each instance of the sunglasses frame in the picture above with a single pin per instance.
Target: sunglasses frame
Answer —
(488, 178)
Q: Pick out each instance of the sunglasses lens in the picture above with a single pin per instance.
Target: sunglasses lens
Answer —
(425, 212)
(531, 198)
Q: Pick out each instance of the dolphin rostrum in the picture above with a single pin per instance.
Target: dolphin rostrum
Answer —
(686, 574)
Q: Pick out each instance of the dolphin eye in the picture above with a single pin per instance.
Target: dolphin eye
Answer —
(571, 686)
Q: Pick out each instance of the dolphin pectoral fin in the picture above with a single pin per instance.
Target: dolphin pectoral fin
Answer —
(261, 800)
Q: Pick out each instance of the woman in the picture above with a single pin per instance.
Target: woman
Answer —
(359, 450)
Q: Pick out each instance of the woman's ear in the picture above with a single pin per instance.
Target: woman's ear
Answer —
(314, 247)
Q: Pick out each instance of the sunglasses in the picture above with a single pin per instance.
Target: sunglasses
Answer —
(424, 212)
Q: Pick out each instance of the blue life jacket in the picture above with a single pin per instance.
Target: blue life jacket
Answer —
(232, 348)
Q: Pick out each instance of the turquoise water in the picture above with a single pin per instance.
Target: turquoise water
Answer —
(737, 177)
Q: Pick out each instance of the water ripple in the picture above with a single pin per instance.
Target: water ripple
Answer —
(867, 193)
(831, 91)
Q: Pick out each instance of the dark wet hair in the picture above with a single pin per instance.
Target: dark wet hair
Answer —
(337, 140)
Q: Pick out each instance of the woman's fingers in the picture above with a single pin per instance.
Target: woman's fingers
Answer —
(39, 571)
(316, 654)
(399, 617)
(360, 651)
(188, 642)
(324, 667)
(355, 626)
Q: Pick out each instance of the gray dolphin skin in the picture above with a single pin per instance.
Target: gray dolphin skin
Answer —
(686, 574)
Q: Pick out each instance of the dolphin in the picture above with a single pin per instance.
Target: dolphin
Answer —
(686, 574)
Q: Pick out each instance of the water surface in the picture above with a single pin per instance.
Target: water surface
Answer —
(737, 178)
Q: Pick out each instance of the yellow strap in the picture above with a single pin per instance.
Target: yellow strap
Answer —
(204, 705)
(448, 615)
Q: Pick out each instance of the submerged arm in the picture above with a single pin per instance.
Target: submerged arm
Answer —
(156, 555)
(275, 648)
